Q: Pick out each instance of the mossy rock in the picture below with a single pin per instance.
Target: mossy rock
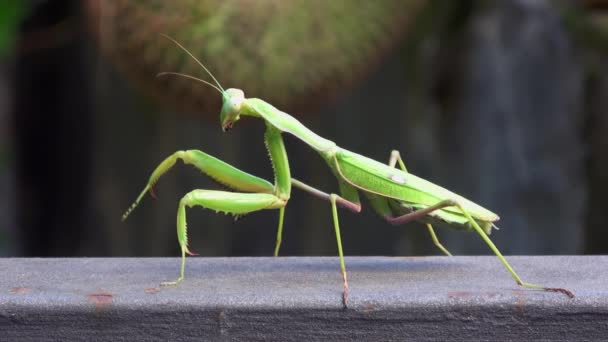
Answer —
(295, 54)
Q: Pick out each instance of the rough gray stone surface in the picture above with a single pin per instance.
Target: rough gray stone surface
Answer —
(299, 298)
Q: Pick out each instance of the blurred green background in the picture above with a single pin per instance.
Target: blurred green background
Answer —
(502, 102)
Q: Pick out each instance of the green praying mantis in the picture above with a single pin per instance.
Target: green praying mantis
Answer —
(395, 194)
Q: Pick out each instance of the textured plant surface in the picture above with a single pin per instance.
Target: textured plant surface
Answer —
(11, 12)
(288, 52)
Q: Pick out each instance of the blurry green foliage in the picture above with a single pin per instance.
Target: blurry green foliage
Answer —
(295, 54)
(11, 12)
(587, 26)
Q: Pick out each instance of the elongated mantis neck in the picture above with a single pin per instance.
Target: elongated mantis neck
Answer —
(286, 123)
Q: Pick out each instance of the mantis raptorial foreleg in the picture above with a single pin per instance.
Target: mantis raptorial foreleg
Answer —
(396, 157)
(224, 201)
(209, 165)
(260, 197)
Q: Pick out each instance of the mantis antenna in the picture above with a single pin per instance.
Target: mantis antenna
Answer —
(196, 59)
(188, 76)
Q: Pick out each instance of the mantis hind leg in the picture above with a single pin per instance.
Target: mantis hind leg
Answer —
(494, 249)
(227, 202)
(436, 241)
(396, 157)
(450, 203)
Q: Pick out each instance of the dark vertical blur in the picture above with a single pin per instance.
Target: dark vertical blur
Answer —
(597, 104)
(52, 130)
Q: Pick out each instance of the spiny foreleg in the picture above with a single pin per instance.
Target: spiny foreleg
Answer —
(220, 201)
(218, 170)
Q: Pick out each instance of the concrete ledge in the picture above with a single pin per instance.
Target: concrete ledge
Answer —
(293, 299)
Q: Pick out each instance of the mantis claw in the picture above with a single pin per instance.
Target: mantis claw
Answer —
(560, 290)
(172, 283)
(189, 252)
(153, 193)
(345, 293)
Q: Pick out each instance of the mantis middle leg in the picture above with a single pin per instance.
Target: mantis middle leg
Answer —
(351, 202)
(396, 157)
(350, 205)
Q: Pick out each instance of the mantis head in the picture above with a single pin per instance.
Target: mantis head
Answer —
(232, 98)
(231, 108)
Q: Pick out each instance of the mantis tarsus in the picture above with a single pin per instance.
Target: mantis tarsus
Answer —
(394, 193)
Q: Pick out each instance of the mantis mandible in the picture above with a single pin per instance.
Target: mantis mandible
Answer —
(395, 194)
